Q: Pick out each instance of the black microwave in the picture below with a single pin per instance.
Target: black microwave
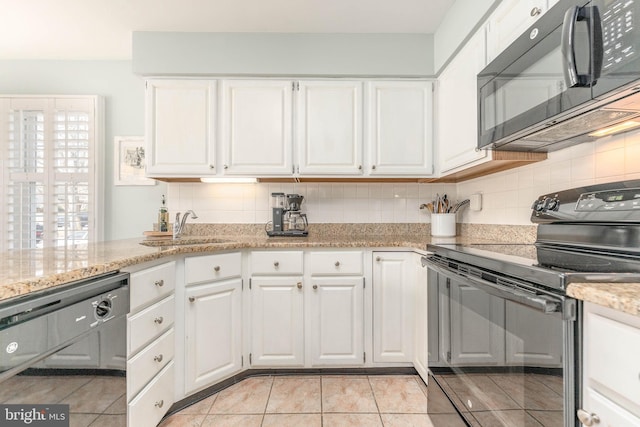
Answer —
(571, 77)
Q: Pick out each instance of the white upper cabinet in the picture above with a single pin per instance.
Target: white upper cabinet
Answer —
(458, 108)
(509, 21)
(400, 128)
(329, 127)
(180, 127)
(257, 127)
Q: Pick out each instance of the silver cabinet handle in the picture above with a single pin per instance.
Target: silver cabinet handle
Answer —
(378, 259)
(159, 403)
(216, 268)
(373, 167)
(211, 167)
(315, 287)
(587, 419)
(159, 283)
(158, 358)
(276, 264)
(299, 285)
(535, 11)
(337, 264)
(158, 320)
(359, 167)
(226, 166)
(192, 299)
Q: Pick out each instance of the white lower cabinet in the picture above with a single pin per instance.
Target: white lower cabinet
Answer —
(393, 305)
(421, 312)
(337, 321)
(611, 383)
(213, 333)
(150, 344)
(277, 324)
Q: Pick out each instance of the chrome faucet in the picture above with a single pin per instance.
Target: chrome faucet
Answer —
(178, 226)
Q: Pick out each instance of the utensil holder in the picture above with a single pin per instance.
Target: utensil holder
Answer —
(443, 224)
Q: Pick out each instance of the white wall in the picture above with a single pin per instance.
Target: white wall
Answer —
(128, 211)
(508, 195)
(324, 202)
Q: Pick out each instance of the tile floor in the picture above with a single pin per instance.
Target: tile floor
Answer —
(310, 401)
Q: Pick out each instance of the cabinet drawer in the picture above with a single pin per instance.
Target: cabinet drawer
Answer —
(336, 263)
(609, 413)
(151, 285)
(148, 408)
(276, 262)
(145, 365)
(612, 360)
(209, 268)
(145, 326)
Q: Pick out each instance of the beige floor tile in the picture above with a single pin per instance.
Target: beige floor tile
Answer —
(118, 407)
(247, 397)
(81, 420)
(203, 407)
(295, 395)
(351, 420)
(180, 420)
(529, 392)
(447, 420)
(110, 421)
(52, 390)
(292, 420)
(232, 421)
(398, 395)
(548, 418)
(97, 395)
(347, 394)
(406, 420)
(17, 385)
(480, 393)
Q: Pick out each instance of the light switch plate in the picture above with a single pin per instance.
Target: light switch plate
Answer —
(476, 202)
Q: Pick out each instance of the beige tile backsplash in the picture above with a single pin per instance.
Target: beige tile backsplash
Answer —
(507, 196)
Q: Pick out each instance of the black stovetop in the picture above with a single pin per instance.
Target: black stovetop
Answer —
(549, 265)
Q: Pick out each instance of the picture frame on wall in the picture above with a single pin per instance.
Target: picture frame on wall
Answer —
(129, 161)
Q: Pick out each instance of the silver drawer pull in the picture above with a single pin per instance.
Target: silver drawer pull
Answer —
(276, 264)
(315, 287)
(158, 358)
(337, 264)
(192, 299)
(378, 259)
(299, 284)
(535, 11)
(159, 403)
(588, 419)
(159, 283)
(158, 320)
(216, 268)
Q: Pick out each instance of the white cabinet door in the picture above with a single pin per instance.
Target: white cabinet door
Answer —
(213, 348)
(180, 127)
(421, 339)
(393, 305)
(329, 127)
(337, 321)
(477, 326)
(457, 107)
(277, 321)
(509, 21)
(400, 137)
(257, 127)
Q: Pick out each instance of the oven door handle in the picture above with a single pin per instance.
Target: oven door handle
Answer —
(541, 303)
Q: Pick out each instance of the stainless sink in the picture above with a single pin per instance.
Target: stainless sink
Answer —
(183, 241)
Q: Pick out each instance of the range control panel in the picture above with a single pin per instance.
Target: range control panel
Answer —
(620, 200)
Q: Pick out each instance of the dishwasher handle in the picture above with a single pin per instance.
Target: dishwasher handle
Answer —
(540, 303)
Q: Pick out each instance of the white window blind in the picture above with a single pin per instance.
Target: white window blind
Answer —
(49, 175)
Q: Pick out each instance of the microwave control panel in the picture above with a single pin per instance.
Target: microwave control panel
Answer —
(618, 24)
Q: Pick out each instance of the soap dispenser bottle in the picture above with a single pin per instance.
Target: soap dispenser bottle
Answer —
(163, 217)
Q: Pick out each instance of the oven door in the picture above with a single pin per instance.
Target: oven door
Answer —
(503, 357)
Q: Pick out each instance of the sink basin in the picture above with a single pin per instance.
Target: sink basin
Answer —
(183, 241)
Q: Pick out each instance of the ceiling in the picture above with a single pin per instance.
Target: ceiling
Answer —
(101, 29)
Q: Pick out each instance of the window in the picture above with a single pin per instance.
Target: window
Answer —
(48, 151)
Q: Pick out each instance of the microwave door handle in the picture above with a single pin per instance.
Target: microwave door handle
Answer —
(540, 303)
(571, 77)
(597, 49)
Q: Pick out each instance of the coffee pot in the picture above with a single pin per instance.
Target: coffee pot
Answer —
(287, 219)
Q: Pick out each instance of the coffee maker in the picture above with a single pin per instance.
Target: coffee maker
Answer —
(287, 218)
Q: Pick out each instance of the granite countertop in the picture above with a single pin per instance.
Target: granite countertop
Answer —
(33, 270)
(624, 297)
